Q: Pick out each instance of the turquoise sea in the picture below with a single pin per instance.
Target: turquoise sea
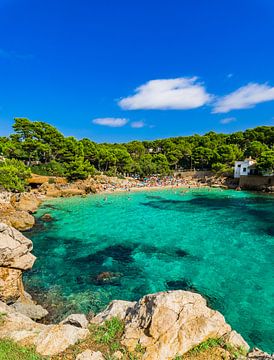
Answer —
(218, 243)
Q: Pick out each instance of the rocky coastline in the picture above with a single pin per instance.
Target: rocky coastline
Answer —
(164, 325)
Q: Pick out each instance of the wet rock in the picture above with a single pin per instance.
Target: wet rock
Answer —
(78, 320)
(46, 218)
(168, 324)
(117, 308)
(106, 277)
(90, 355)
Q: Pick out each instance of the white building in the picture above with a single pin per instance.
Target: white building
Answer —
(246, 167)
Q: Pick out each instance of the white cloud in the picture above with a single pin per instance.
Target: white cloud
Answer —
(163, 94)
(112, 122)
(137, 124)
(228, 120)
(245, 97)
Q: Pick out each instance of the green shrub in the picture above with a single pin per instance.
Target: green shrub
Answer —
(53, 168)
(109, 332)
(79, 169)
(11, 351)
(13, 175)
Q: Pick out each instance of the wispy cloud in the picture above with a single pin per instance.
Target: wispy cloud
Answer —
(137, 124)
(245, 97)
(111, 122)
(228, 120)
(5, 54)
(164, 94)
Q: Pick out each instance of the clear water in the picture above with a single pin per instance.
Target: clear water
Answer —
(218, 243)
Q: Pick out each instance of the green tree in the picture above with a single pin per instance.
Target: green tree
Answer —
(13, 175)
(265, 162)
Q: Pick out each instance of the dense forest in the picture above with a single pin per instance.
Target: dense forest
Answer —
(40, 148)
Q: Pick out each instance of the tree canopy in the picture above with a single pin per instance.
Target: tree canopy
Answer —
(44, 149)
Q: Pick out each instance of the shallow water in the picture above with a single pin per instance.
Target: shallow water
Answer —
(218, 243)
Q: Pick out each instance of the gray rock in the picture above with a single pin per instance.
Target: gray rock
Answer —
(29, 308)
(78, 320)
(117, 308)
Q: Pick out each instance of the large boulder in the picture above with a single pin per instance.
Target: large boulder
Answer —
(26, 306)
(171, 323)
(15, 256)
(15, 249)
(26, 201)
(19, 219)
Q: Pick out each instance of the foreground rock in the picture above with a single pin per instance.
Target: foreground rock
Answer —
(78, 320)
(26, 306)
(15, 256)
(48, 340)
(169, 324)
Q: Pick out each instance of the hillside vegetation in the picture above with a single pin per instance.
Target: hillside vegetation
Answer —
(40, 148)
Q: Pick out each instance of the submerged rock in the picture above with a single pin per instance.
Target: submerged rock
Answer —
(46, 218)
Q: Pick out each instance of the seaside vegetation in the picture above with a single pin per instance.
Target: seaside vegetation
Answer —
(40, 148)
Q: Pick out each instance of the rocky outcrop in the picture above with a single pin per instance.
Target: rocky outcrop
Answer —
(168, 324)
(15, 249)
(15, 256)
(26, 306)
(19, 219)
(48, 340)
(25, 202)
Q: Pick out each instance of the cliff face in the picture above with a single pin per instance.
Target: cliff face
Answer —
(15, 257)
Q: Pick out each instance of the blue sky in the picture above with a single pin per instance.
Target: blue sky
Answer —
(123, 70)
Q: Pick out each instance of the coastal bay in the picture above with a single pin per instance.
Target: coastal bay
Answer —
(105, 247)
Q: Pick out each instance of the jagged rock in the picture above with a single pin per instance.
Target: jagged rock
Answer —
(117, 308)
(11, 286)
(27, 202)
(90, 355)
(21, 220)
(257, 354)
(15, 249)
(170, 323)
(18, 327)
(78, 320)
(236, 340)
(26, 306)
